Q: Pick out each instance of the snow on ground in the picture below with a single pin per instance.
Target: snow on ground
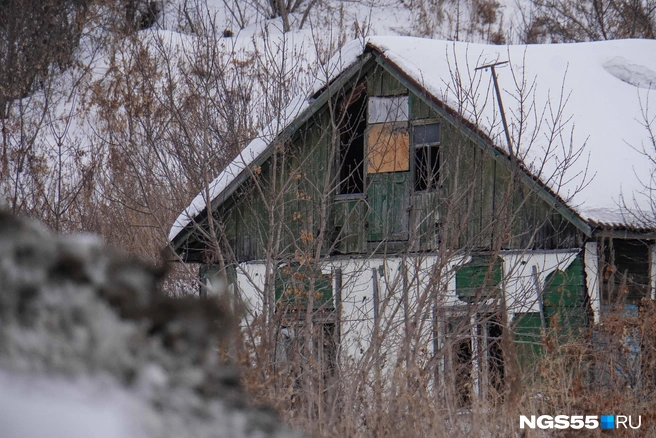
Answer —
(37, 407)
(72, 133)
(602, 87)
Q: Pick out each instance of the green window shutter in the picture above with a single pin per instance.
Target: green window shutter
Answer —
(480, 278)
(563, 296)
(293, 284)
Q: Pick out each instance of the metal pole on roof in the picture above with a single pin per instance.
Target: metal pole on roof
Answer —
(498, 92)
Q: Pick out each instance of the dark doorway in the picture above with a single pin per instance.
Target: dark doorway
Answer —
(351, 146)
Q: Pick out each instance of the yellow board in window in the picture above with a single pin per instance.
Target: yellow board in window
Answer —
(388, 148)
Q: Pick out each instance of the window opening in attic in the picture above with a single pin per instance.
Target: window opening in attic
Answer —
(625, 279)
(426, 139)
(388, 139)
(388, 109)
(351, 144)
(388, 147)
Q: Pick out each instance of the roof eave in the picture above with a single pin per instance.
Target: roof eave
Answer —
(482, 140)
(318, 99)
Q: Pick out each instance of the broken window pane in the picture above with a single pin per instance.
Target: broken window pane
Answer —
(476, 359)
(426, 139)
(351, 148)
(388, 109)
(625, 272)
(493, 332)
(459, 337)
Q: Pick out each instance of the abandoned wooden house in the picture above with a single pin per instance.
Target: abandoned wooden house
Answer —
(413, 208)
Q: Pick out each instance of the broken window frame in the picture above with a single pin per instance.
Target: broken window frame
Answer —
(352, 124)
(291, 344)
(291, 349)
(431, 152)
(479, 373)
(622, 287)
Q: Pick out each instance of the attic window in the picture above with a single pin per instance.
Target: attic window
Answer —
(426, 139)
(351, 141)
(388, 140)
(387, 148)
(388, 109)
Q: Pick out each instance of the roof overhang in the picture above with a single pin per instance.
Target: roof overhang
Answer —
(369, 55)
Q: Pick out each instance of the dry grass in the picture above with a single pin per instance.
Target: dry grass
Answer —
(597, 373)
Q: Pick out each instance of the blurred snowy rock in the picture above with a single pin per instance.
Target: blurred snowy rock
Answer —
(89, 347)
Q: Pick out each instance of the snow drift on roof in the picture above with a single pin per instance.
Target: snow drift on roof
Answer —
(576, 114)
(574, 110)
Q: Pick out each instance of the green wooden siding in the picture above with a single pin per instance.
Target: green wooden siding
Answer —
(425, 220)
(382, 83)
(497, 208)
(388, 195)
(349, 226)
(527, 328)
(563, 297)
(480, 278)
(295, 282)
(564, 314)
(244, 227)
(419, 109)
(479, 206)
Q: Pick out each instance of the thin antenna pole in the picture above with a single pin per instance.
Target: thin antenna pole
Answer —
(498, 93)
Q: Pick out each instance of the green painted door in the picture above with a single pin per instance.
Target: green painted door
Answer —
(349, 225)
(388, 196)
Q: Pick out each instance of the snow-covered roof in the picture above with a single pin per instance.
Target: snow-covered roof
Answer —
(576, 114)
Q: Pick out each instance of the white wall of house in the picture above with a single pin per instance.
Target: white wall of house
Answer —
(591, 257)
(524, 276)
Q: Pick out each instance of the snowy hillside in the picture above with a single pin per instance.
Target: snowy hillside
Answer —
(123, 138)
